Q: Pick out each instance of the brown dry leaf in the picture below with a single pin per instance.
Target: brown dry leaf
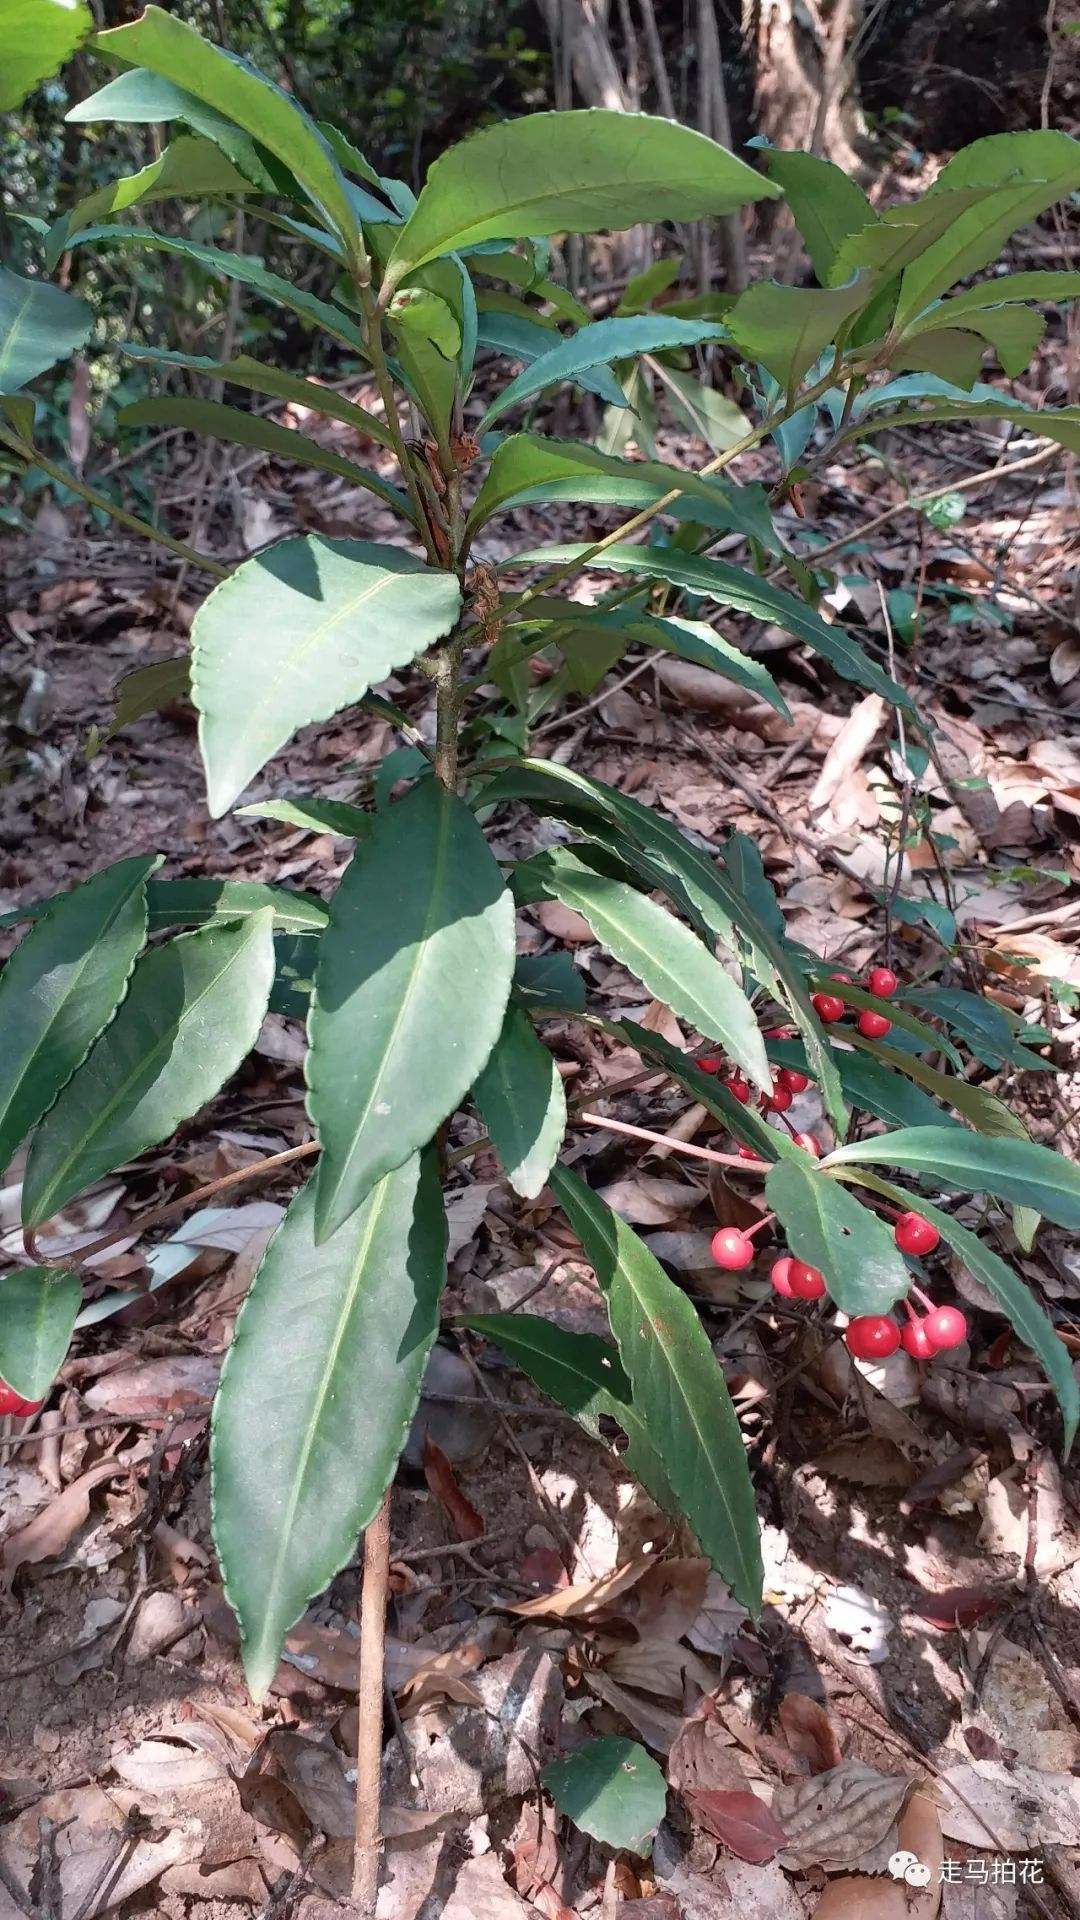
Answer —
(866, 1463)
(809, 1732)
(90, 1886)
(315, 1772)
(442, 1482)
(563, 923)
(667, 1600)
(182, 1556)
(153, 1388)
(588, 1596)
(838, 1819)
(166, 1766)
(1011, 1809)
(858, 1897)
(658, 1666)
(742, 1823)
(239, 1729)
(847, 750)
(720, 1621)
(705, 1755)
(50, 1530)
(651, 1200)
(441, 1675)
(658, 1726)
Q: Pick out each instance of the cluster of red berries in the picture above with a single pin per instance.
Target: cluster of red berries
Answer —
(787, 1082)
(12, 1402)
(880, 981)
(870, 1336)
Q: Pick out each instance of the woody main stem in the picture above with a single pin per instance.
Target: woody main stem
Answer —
(369, 1711)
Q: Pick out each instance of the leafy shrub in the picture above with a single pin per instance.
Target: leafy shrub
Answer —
(419, 1002)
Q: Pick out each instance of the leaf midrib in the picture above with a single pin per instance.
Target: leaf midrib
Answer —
(419, 960)
(378, 1203)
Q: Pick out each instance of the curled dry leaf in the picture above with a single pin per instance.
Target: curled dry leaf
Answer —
(869, 1462)
(838, 1819)
(740, 1821)
(441, 1479)
(658, 1666)
(657, 1725)
(808, 1731)
(587, 1597)
(666, 1601)
(50, 1530)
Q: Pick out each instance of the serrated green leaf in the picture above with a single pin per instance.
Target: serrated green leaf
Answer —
(678, 1386)
(703, 410)
(1020, 1171)
(60, 987)
(1011, 287)
(593, 346)
(872, 1084)
(314, 814)
(167, 46)
(258, 376)
(199, 903)
(319, 1388)
(189, 168)
(611, 1789)
(825, 1225)
(1013, 1297)
(39, 35)
(38, 1306)
(980, 1023)
(585, 1375)
(578, 172)
(948, 352)
(899, 236)
(329, 619)
(138, 97)
(148, 689)
(39, 325)
(675, 966)
(521, 337)
(549, 982)
(826, 204)
(245, 268)
(414, 976)
(245, 429)
(1014, 332)
(704, 887)
(521, 1101)
(1030, 170)
(192, 1012)
(734, 587)
(786, 329)
(524, 462)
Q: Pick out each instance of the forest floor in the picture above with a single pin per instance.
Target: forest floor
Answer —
(922, 1539)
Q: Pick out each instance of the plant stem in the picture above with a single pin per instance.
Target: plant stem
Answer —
(31, 454)
(448, 695)
(373, 337)
(369, 1707)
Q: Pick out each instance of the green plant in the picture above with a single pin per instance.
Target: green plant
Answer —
(419, 1003)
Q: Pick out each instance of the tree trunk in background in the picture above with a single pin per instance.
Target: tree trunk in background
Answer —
(805, 88)
(714, 119)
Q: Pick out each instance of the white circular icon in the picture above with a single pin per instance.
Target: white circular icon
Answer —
(918, 1875)
(901, 1863)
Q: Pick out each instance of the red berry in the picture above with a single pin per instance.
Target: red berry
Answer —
(916, 1341)
(882, 981)
(915, 1235)
(844, 978)
(872, 1336)
(873, 1026)
(946, 1327)
(828, 1007)
(712, 1063)
(806, 1282)
(12, 1402)
(749, 1153)
(732, 1249)
(809, 1142)
(793, 1080)
(738, 1087)
(781, 1276)
(778, 1033)
(779, 1100)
